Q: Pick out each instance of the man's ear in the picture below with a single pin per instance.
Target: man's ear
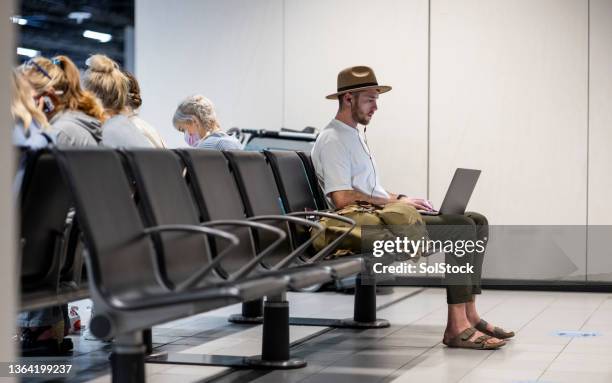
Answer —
(348, 97)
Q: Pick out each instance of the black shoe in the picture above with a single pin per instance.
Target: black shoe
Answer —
(31, 346)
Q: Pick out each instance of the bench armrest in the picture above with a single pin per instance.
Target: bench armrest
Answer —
(204, 271)
(331, 246)
(249, 266)
(298, 250)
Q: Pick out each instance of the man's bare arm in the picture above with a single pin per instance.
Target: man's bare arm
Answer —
(342, 198)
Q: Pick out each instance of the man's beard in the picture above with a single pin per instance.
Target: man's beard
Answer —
(361, 119)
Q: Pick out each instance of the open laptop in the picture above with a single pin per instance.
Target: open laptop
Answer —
(458, 193)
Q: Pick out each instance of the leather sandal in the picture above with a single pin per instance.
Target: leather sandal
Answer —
(497, 332)
(463, 341)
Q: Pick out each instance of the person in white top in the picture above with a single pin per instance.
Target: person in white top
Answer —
(134, 101)
(347, 173)
(105, 79)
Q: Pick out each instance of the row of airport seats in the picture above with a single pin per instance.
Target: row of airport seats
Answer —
(167, 234)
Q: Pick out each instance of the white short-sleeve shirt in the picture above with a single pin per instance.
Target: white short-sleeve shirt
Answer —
(342, 161)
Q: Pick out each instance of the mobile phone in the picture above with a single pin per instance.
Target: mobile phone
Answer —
(48, 106)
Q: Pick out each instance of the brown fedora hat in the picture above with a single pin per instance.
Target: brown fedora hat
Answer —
(355, 79)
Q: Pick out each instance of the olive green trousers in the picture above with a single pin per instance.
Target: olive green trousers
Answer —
(460, 287)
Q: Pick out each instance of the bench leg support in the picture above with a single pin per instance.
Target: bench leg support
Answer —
(364, 313)
(252, 313)
(127, 359)
(275, 343)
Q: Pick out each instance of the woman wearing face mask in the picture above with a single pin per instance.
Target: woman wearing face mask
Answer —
(74, 113)
(104, 79)
(195, 117)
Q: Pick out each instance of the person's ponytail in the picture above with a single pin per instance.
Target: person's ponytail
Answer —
(75, 97)
(104, 78)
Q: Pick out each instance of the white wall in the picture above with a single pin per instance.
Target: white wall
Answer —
(600, 141)
(322, 37)
(269, 63)
(8, 289)
(509, 94)
(230, 51)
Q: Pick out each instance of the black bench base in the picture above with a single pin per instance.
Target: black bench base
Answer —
(198, 359)
(252, 313)
(224, 361)
(339, 323)
(257, 362)
(242, 319)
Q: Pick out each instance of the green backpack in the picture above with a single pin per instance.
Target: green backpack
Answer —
(374, 222)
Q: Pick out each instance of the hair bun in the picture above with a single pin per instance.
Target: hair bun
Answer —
(199, 98)
(101, 63)
(135, 100)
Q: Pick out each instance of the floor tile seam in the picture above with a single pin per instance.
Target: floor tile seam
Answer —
(475, 367)
(308, 376)
(402, 298)
(292, 346)
(419, 318)
(490, 354)
(305, 377)
(399, 300)
(218, 375)
(525, 325)
(309, 338)
(592, 314)
(568, 343)
(498, 304)
(392, 376)
(540, 312)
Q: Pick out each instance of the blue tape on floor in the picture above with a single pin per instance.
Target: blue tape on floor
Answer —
(576, 334)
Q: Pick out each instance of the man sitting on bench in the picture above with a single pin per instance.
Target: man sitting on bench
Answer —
(347, 173)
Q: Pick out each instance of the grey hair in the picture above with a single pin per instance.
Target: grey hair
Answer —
(196, 109)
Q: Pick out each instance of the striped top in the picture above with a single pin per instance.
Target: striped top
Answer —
(219, 141)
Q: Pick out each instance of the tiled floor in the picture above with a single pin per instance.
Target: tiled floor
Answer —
(408, 351)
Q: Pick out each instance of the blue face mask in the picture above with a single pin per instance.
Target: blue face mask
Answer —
(192, 139)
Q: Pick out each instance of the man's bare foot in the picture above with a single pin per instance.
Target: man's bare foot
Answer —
(474, 319)
(458, 324)
(473, 316)
(482, 325)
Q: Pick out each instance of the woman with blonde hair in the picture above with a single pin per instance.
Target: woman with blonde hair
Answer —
(42, 331)
(31, 129)
(74, 113)
(134, 101)
(104, 78)
(195, 117)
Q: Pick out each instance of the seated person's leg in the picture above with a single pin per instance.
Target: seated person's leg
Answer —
(42, 331)
(459, 286)
(482, 234)
(454, 228)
